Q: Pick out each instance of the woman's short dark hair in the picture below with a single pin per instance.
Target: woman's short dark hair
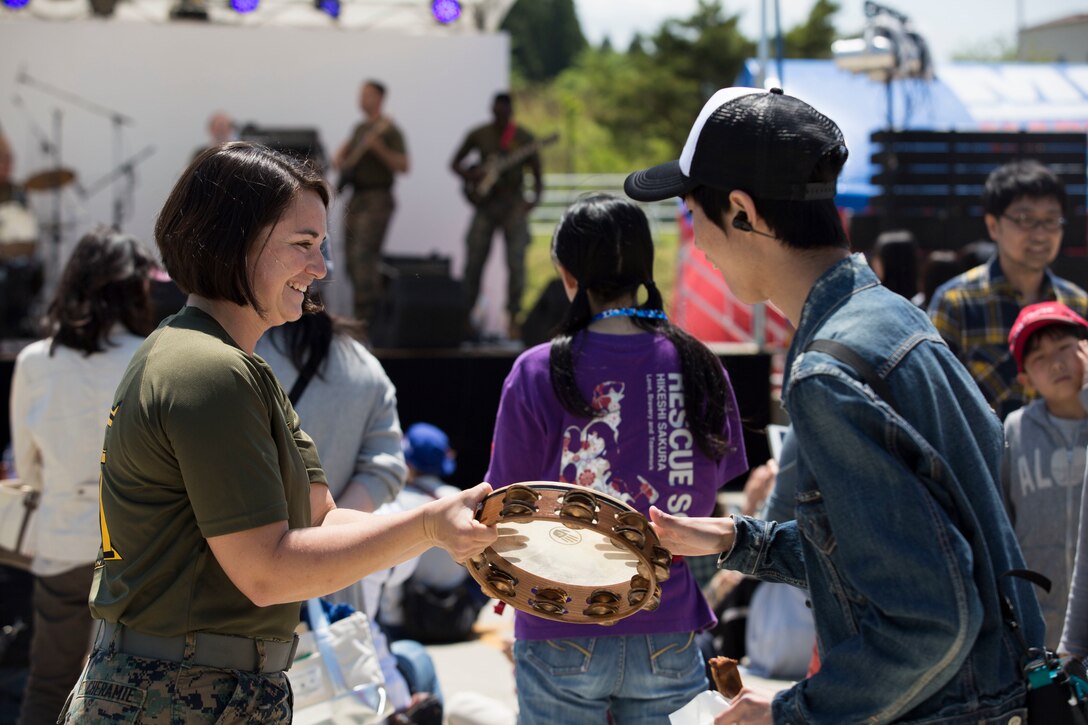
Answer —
(797, 224)
(605, 243)
(230, 195)
(106, 280)
(1027, 177)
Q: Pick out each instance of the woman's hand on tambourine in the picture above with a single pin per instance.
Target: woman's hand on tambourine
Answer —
(450, 522)
(692, 536)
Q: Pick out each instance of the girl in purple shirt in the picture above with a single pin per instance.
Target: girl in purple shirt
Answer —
(623, 402)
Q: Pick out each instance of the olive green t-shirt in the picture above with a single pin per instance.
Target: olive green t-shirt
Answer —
(201, 441)
(371, 172)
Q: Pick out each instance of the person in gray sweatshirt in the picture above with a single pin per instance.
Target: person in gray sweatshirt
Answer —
(1042, 474)
(349, 406)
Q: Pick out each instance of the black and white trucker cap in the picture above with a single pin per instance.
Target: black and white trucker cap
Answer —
(763, 142)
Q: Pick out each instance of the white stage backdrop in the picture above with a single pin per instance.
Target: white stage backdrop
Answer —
(169, 77)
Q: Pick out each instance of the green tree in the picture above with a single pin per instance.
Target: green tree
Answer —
(545, 37)
(812, 38)
(686, 60)
(617, 110)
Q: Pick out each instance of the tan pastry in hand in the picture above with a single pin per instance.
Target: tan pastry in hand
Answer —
(723, 671)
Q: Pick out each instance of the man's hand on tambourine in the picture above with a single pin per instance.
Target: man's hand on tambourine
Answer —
(450, 522)
(747, 708)
(692, 536)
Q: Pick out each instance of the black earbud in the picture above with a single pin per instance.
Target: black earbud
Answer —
(740, 221)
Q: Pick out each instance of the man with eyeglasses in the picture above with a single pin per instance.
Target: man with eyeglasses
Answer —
(1025, 204)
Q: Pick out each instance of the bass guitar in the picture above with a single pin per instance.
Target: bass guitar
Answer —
(486, 174)
(347, 168)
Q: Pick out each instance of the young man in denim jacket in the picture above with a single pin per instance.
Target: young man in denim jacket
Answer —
(900, 537)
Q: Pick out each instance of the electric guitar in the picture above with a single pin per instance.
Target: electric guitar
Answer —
(477, 190)
(347, 168)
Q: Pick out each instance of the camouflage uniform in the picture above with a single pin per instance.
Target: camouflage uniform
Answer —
(121, 688)
(504, 208)
(368, 215)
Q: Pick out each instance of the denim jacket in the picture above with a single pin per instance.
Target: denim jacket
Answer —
(900, 535)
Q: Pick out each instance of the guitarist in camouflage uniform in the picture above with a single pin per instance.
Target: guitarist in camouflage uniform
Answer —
(503, 205)
(368, 162)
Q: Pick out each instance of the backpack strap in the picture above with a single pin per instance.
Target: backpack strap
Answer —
(304, 376)
(860, 365)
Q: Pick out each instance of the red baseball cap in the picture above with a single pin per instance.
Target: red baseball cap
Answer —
(1037, 316)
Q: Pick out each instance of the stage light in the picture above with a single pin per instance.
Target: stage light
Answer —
(16, 4)
(329, 7)
(244, 6)
(189, 10)
(889, 47)
(103, 8)
(446, 11)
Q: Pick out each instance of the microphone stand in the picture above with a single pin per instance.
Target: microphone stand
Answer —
(127, 169)
(117, 119)
(52, 149)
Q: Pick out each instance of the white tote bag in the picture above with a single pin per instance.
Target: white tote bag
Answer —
(336, 677)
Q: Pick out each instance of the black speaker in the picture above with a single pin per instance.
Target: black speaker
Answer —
(302, 143)
(422, 306)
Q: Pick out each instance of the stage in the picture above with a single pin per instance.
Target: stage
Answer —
(458, 390)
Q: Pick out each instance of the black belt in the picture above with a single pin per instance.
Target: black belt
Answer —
(222, 651)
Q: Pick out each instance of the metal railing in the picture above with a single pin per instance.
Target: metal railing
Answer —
(560, 190)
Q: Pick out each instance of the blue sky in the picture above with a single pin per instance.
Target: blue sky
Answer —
(947, 25)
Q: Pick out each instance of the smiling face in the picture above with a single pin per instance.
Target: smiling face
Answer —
(290, 260)
(1051, 364)
(1026, 250)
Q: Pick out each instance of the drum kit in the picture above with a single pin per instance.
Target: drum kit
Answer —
(19, 229)
(569, 554)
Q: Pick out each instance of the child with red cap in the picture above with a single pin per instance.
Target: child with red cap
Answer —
(1043, 470)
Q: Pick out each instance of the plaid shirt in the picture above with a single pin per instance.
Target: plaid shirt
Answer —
(974, 313)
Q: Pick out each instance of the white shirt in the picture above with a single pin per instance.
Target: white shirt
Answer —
(59, 408)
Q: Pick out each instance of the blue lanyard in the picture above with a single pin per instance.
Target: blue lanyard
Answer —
(629, 312)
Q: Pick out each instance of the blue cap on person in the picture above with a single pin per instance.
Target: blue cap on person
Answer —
(427, 449)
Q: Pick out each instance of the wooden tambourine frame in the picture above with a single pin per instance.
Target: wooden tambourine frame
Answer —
(569, 554)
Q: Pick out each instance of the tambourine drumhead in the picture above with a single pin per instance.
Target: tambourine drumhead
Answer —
(569, 553)
(554, 551)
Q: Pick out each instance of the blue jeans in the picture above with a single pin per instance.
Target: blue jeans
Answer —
(415, 663)
(637, 678)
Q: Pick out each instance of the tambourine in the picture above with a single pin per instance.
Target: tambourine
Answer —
(569, 554)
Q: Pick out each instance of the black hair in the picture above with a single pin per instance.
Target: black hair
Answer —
(797, 224)
(605, 243)
(376, 85)
(306, 341)
(503, 97)
(898, 254)
(105, 281)
(976, 253)
(940, 266)
(229, 196)
(1025, 177)
(1052, 332)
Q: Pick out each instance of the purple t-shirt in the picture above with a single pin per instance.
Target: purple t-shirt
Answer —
(640, 452)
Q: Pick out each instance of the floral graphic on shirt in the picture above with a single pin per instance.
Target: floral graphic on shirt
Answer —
(583, 461)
